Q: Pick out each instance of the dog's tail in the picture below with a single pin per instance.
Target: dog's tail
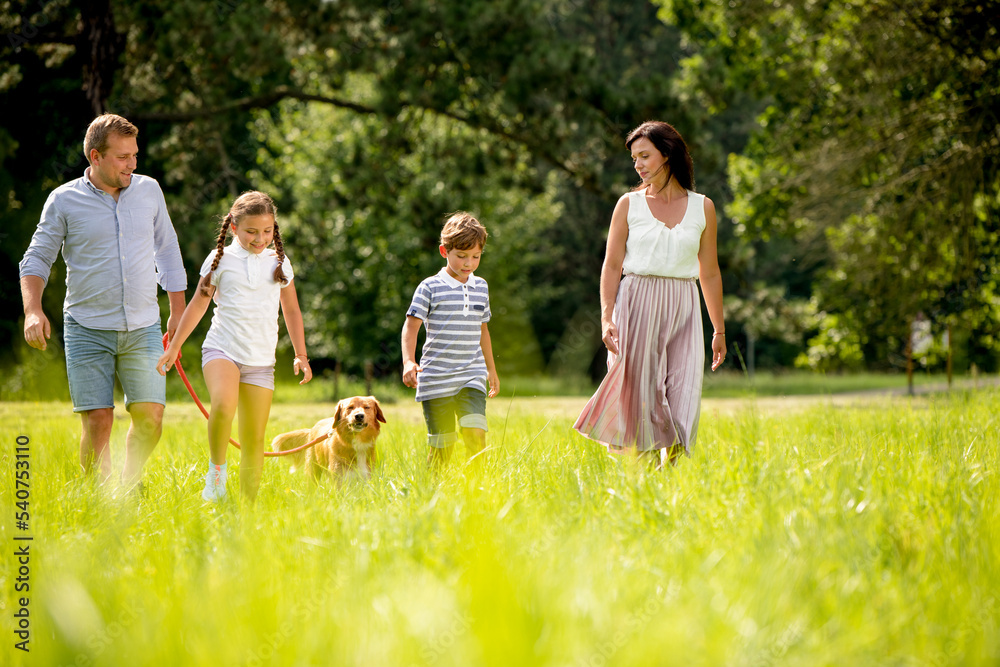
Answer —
(291, 440)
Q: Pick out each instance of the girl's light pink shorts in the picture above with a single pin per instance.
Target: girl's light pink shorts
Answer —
(259, 376)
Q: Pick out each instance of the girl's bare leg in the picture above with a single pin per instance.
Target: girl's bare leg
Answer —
(223, 380)
(255, 408)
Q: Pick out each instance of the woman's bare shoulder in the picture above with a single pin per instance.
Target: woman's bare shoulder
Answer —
(623, 202)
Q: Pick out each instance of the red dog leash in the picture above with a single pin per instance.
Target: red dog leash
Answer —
(194, 395)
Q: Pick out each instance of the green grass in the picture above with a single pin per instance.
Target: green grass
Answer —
(731, 384)
(819, 534)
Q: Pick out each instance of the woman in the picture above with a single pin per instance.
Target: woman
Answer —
(663, 236)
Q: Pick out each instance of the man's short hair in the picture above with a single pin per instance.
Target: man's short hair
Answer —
(103, 127)
(463, 232)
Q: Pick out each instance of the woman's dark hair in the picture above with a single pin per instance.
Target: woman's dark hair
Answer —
(671, 145)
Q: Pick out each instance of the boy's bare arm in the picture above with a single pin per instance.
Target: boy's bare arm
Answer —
(487, 344)
(409, 344)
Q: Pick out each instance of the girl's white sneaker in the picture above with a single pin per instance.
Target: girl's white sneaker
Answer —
(215, 484)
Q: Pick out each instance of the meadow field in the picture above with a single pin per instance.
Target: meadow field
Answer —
(811, 532)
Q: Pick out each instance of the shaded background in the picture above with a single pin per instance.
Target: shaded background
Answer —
(851, 151)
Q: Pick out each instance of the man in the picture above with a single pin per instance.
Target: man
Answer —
(118, 243)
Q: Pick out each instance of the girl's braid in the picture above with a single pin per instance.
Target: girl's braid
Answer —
(220, 245)
(279, 275)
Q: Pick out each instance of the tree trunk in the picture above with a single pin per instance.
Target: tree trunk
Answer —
(99, 46)
(949, 356)
(369, 376)
(336, 381)
(909, 359)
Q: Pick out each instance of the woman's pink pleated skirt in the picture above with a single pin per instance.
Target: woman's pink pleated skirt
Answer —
(651, 396)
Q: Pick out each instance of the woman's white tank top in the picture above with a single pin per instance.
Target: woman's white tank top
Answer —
(653, 249)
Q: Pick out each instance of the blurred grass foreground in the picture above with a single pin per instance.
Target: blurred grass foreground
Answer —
(823, 533)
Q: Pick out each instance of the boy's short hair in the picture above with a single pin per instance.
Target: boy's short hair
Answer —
(462, 232)
(101, 128)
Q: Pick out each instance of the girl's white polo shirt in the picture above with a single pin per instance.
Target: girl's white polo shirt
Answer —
(245, 322)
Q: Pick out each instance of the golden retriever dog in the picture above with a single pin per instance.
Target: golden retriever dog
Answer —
(350, 442)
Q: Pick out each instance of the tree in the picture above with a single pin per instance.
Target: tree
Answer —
(880, 141)
(367, 199)
(534, 95)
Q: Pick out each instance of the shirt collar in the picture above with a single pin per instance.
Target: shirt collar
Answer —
(237, 250)
(90, 183)
(97, 190)
(454, 283)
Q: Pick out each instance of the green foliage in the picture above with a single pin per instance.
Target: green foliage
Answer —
(880, 140)
(514, 109)
(837, 347)
(768, 313)
(367, 199)
(852, 147)
(860, 535)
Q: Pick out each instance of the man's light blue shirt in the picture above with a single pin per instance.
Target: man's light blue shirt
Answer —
(116, 252)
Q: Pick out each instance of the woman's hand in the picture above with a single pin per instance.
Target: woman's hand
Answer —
(609, 334)
(718, 350)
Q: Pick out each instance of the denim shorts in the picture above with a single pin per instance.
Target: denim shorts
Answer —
(95, 356)
(469, 405)
(258, 376)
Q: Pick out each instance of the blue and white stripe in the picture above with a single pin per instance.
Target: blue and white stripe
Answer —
(453, 314)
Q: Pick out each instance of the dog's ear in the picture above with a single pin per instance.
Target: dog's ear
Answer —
(338, 416)
(378, 410)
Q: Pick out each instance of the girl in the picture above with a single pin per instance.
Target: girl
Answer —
(248, 280)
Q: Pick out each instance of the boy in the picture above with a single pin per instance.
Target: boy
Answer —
(456, 365)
